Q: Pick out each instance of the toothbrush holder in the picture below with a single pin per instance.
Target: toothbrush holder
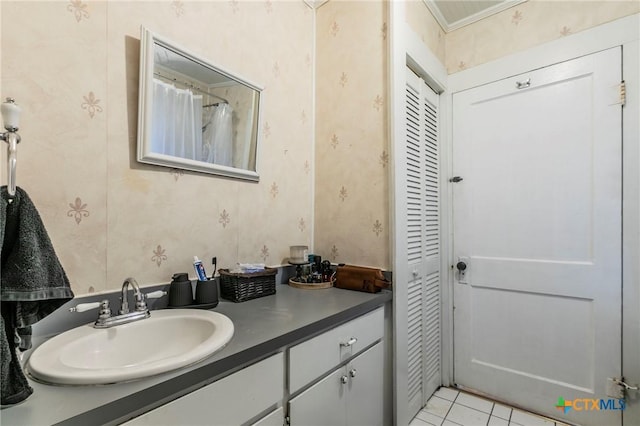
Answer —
(207, 292)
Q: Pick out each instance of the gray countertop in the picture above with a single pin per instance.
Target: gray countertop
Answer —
(262, 327)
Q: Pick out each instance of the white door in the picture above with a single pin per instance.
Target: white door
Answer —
(537, 221)
(422, 232)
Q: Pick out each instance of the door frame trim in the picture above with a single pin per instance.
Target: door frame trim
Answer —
(631, 225)
(622, 32)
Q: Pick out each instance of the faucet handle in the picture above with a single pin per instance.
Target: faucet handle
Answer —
(155, 294)
(105, 311)
(82, 307)
(141, 302)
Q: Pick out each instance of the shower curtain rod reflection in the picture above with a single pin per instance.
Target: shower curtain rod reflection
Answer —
(192, 87)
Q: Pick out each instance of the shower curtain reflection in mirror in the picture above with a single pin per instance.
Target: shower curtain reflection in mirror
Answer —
(182, 128)
(175, 114)
(217, 137)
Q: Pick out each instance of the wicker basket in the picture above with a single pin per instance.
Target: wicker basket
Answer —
(239, 287)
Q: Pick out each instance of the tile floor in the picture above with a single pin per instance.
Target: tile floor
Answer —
(450, 407)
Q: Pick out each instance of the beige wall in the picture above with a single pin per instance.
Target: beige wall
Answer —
(352, 152)
(526, 25)
(73, 68)
(422, 22)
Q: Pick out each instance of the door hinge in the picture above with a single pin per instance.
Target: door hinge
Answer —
(617, 388)
(618, 95)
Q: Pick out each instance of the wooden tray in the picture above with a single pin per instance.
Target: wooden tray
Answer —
(310, 286)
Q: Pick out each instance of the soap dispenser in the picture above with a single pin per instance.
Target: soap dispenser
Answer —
(180, 290)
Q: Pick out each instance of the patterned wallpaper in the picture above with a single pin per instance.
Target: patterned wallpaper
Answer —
(73, 68)
(352, 152)
(526, 25)
(422, 22)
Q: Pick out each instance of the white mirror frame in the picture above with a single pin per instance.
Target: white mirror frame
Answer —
(145, 102)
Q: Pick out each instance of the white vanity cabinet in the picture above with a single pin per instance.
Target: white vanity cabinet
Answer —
(335, 378)
(351, 395)
(232, 400)
(352, 392)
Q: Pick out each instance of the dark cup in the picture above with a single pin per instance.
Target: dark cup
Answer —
(180, 290)
(207, 292)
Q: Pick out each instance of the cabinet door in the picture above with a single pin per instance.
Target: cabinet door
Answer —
(365, 394)
(323, 403)
(275, 418)
(232, 400)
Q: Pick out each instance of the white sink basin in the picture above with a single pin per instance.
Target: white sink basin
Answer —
(167, 340)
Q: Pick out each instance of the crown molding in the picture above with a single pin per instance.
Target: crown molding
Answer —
(314, 4)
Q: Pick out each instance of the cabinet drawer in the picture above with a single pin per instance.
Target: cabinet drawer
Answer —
(232, 400)
(310, 359)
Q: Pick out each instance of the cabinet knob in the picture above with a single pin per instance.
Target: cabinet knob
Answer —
(344, 379)
(352, 372)
(349, 342)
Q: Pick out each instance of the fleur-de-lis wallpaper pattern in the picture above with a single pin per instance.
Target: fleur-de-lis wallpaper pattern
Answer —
(526, 25)
(352, 191)
(110, 217)
(78, 210)
(79, 9)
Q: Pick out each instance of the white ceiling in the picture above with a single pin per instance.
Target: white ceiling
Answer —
(453, 14)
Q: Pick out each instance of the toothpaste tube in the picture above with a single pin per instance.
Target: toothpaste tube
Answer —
(199, 267)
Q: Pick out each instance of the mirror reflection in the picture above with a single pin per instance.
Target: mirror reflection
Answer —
(195, 115)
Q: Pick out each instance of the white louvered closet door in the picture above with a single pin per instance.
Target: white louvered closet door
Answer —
(423, 241)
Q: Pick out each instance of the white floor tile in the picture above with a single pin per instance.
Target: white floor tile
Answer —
(467, 416)
(437, 406)
(447, 393)
(497, 421)
(470, 410)
(429, 418)
(525, 419)
(472, 401)
(501, 411)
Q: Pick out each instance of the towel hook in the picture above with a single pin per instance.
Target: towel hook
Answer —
(11, 118)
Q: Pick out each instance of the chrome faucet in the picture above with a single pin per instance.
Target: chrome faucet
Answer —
(141, 305)
(106, 320)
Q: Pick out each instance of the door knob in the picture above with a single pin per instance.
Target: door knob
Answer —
(344, 380)
(461, 266)
(352, 372)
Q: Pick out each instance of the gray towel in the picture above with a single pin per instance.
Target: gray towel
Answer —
(32, 285)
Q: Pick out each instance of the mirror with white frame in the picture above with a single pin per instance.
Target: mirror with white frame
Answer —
(194, 115)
